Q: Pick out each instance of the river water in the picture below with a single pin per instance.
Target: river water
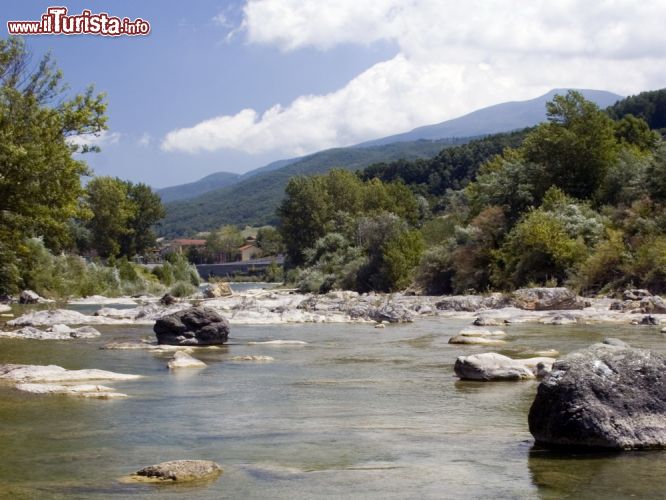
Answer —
(358, 412)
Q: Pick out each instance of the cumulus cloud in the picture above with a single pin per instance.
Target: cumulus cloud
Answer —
(453, 57)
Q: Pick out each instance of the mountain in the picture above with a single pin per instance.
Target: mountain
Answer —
(193, 189)
(253, 198)
(495, 119)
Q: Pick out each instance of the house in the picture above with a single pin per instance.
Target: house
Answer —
(182, 246)
(249, 251)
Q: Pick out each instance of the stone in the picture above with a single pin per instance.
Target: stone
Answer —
(602, 397)
(53, 373)
(488, 321)
(635, 294)
(380, 325)
(492, 366)
(178, 471)
(55, 332)
(217, 290)
(650, 320)
(393, 313)
(168, 300)
(81, 390)
(183, 360)
(481, 332)
(261, 359)
(615, 342)
(4, 308)
(654, 305)
(192, 326)
(663, 330)
(461, 339)
(473, 303)
(29, 297)
(547, 299)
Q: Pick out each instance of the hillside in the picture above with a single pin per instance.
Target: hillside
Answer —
(255, 196)
(254, 199)
(193, 189)
(502, 117)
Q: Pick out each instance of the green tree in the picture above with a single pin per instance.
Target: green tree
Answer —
(39, 179)
(270, 241)
(577, 146)
(111, 211)
(147, 210)
(303, 213)
(226, 241)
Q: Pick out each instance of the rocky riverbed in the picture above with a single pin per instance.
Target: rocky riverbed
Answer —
(548, 306)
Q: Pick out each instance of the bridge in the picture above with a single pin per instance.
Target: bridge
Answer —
(251, 267)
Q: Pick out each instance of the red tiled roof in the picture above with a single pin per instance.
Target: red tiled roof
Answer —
(249, 245)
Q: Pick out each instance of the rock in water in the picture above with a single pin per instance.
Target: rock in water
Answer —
(181, 471)
(602, 397)
(546, 299)
(183, 360)
(493, 366)
(192, 326)
(29, 297)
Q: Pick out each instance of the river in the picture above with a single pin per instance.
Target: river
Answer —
(356, 413)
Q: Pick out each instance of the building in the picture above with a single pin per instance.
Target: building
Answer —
(249, 251)
(182, 246)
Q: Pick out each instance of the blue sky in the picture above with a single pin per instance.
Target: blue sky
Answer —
(233, 85)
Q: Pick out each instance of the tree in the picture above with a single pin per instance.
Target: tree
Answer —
(577, 146)
(147, 210)
(108, 202)
(226, 241)
(269, 241)
(39, 179)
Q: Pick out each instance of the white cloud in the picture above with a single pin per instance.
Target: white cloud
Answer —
(104, 138)
(453, 57)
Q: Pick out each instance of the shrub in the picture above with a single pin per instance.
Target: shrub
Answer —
(183, 289)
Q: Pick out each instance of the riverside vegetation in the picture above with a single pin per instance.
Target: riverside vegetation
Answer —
(578, 200)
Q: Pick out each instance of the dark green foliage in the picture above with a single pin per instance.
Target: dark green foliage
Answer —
(452, 168)
(650, 106)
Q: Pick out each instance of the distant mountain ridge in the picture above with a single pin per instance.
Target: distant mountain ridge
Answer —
(194, 189)
(503, 117)
(253, 197)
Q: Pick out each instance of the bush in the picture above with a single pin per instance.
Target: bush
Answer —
(183, 289)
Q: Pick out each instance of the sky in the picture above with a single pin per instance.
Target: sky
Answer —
(234, 85)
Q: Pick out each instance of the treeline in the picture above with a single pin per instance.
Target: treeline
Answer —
(578, 200)
(45, 212)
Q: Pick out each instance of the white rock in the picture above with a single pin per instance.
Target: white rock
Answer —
(481, 332)
(56, 332)
(494, 366)
(380, 325)
(5, 308)
(183, 360)
(53, 373)
(83, 390)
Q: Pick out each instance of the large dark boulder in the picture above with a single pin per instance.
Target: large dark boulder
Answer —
(192, 326)
(605, 396)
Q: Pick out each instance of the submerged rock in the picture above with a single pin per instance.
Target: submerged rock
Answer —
(547, 299)
(492, 366)
(253, 358)
(279, 342)
(602, 397)
(82, 390)
(471, 340)
(56, 332)
(183, 360)
(481, 332)
(180, 471)
(615, 342)
(192, 326)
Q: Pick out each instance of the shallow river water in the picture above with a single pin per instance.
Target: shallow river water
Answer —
(359, 412)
